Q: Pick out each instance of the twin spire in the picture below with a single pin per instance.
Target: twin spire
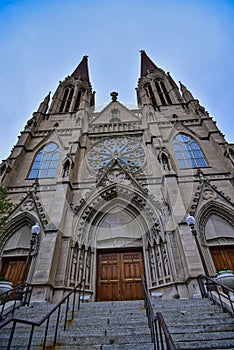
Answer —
(163, 91)
(82, 72)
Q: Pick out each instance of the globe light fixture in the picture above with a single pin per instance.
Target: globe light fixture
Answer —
(190, 220)
(35, 231)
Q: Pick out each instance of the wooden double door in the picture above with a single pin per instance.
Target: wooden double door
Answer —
(119, 275)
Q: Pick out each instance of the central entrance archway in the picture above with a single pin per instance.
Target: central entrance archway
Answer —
(119, 274)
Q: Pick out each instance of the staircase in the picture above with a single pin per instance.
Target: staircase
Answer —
(197, 324)
(97, 326)
(194, 324)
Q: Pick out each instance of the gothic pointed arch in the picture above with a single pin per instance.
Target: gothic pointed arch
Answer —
(216, 209)
(119, 216)
(66, 99)
(15, 246)
(165, 159)
(45, 162)
(188, 152)
(216, 228)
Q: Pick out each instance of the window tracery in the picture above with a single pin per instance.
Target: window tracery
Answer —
(188, 152)
(128, 151)
(162, 92)
(45, 163)
(67, 99)
(150, 94)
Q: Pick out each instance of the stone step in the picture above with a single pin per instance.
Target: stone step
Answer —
(24, 330)
(114, 304)
(186, 308)
(203, 336)
(206, 345)
(96, 326)
(71, 339)
(185, 328)
(146, 346)
(82, 315)
(111, 319)
(194, 324)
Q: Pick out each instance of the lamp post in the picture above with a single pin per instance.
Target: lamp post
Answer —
(35, 231)
(191, 223)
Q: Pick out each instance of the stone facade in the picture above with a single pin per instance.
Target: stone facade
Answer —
(119, 180)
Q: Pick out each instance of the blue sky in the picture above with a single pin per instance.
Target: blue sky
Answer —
(41, 42)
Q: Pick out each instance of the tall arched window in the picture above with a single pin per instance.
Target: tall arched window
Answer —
(67, 98)
(77, 103)
(150, 94)
(45, 163)
(162, 92)
(188, 153)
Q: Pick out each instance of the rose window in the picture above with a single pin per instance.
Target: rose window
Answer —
(129, 152)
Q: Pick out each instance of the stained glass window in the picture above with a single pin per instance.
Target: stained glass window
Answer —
(128, 151)
(45, 163)
(188, 153)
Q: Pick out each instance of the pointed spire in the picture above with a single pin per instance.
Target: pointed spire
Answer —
(146, 64)
(187, 95)
(81, 70)
(44, 105)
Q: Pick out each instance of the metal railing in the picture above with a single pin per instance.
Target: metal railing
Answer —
(76, 291)
(217, 292)
(10, 297)
(160, 335)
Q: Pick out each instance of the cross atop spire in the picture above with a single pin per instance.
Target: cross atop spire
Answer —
(81, 70)
(146, 64)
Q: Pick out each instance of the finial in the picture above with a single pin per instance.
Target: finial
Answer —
(114, 96)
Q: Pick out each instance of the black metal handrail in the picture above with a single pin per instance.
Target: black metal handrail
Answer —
(11, 296)
(73, 293)
(217, 292)
(160, 335)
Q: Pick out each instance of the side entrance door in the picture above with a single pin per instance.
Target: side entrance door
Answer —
(223, 257)
(119, 275)
(12, 269)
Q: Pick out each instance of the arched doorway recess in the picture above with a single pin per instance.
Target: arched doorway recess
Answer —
(120, 237)
(15, 246)
(217, 235)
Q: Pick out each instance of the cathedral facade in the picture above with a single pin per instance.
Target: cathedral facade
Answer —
(111, 190)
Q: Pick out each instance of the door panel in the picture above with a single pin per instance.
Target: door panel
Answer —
(132, 272)
(119, 276)
(12, 269)
(223, 257)
(108, 281)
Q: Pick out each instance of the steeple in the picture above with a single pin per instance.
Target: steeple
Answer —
(146, 64)
(155, 87)
(81, 72)
(75, 92)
